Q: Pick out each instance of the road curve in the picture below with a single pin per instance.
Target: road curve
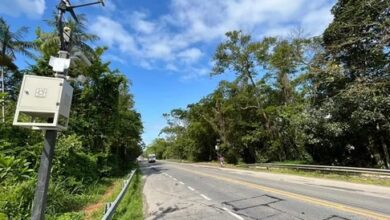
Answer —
(193, 191)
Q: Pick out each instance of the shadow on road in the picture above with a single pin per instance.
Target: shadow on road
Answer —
(164, 212)
(149, 169)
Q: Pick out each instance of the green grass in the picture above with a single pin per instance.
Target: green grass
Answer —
(93, 194)
(131, 206)
(334, 176)
(91, 203)
(316, 174)
(116, 188)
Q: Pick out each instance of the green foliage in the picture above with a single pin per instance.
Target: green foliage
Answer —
(12, 43)
(16, 198)
(320, 100)
(103, 138)
(358, 36)
(69, 216)
(353, 88)
(255, 118)
(69, 151)
(15, 169)
(131, 206)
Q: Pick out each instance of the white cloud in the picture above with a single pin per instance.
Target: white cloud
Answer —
(30, 8)
(190, 55)
(195, 73)
(171, 67)
(316, 21)
(139, 23)
(146, 65)
(159, 51)
(171, 40)
(203, 21)
(114, 34)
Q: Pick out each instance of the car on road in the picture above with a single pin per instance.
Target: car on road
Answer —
(151, 158)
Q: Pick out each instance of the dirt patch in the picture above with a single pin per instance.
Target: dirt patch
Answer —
(92, 208)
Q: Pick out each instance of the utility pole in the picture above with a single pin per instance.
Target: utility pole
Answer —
(40, 197)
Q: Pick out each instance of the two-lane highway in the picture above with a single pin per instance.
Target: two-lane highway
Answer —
(192, 191)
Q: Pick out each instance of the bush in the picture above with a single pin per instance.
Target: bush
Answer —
(131, 207)
(16, 199)
(72, 164)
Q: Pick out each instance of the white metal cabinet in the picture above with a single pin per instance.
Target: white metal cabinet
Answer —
(44, 103)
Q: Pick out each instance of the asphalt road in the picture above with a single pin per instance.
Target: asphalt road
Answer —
(192, 191)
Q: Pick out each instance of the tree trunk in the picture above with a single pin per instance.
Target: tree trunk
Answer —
(385, 152)
(386, 159)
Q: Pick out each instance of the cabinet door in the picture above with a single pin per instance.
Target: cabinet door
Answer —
(40, 93)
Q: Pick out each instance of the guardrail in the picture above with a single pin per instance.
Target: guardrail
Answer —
(356, 170)
(110, 208)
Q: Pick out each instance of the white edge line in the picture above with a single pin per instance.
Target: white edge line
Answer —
(174, 178)
(205, 197)
(181, 182)
(233, 214)
(190, 188)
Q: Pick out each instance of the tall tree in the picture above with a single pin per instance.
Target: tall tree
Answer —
(354, 91)
(10, 44)
(359, 38)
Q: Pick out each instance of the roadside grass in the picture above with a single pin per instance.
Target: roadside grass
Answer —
(93, 194)
(131, 206)
(353, 178)
(95, 198)
(97, 208)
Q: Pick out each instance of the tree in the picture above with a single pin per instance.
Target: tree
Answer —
(10, 44)
(279, 61)
(102, 140)
(48, 45)
(323, 99)
(354, 87)
(358, 37)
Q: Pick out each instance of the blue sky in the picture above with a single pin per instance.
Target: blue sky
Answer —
(165, 47)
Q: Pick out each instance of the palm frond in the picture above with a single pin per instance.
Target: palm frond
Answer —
(11, 42)
(6, 61)
(19, 34)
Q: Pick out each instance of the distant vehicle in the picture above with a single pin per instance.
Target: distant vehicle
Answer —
(151, 158)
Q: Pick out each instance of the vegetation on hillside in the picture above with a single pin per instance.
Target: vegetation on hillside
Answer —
(321, 100)
(103, 137)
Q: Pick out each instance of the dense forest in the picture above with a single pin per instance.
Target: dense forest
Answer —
(322, 100)
(104, 134)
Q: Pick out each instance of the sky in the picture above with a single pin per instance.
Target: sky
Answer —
(165, 47)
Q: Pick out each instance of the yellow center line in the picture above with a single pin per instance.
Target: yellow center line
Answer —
(307, 199)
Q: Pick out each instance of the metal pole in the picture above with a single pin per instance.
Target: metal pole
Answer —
(40, 197)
